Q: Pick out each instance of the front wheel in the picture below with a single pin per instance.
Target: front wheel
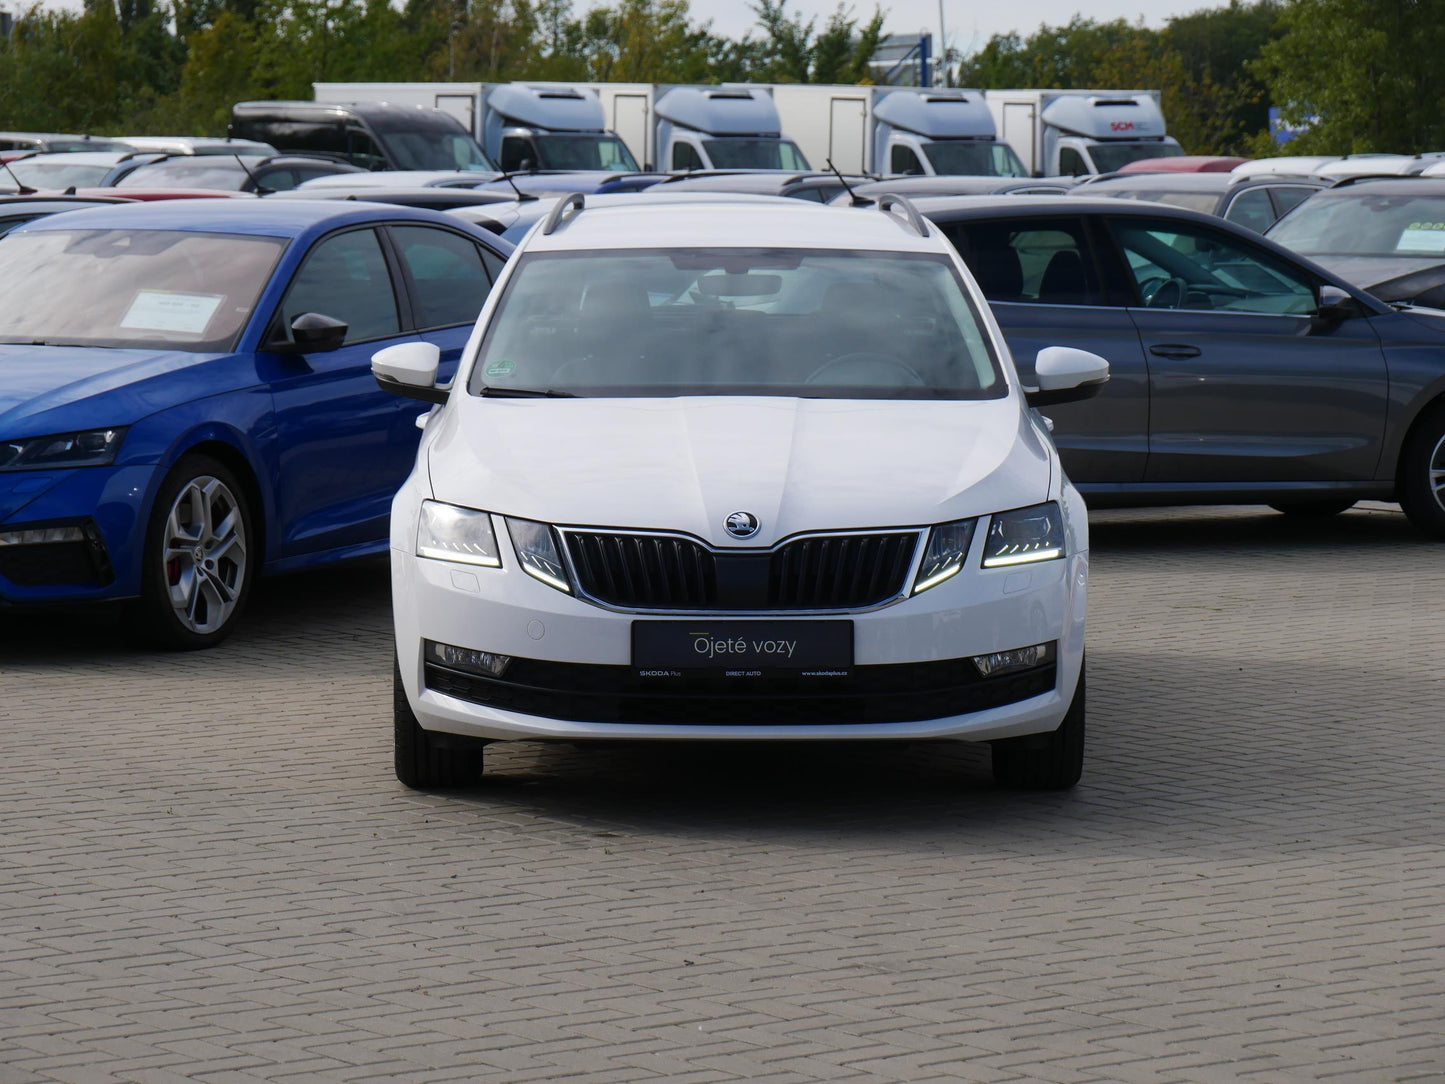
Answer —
(199, 556)
(1422, 474)
(427, 761)
(1052, 761)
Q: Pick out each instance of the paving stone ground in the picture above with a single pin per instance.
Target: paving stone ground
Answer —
(208, 871)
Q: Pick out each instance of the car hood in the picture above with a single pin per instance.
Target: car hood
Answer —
(1367, 272)
(685, 464)
(50, 389)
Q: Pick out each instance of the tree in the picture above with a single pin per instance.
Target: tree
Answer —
(1365, 75)
(792, 53)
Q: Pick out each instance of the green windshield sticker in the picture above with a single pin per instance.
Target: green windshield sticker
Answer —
(501, 368)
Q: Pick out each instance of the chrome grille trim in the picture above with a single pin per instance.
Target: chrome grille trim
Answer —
(689, 572)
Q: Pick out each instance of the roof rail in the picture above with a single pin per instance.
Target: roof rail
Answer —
(559, 211)
(890, 200)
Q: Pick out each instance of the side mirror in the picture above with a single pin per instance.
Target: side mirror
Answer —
(1066, 375)
(312, 333)
(410, 370)
(1336, 306)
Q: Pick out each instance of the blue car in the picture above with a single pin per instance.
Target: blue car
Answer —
(186, 397)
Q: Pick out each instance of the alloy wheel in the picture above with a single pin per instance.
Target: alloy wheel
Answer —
(204, 554)
(1435, 473)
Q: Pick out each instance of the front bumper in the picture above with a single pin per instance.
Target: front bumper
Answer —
(573, 677)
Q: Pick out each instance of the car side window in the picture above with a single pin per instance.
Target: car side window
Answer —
(283, 179)
(1289, 196)
(1178, 265)
(901, 159)
(448, 272)
(1071, 163)
(346, 278)
(1252, 210)
(1045, 261)
(362, 149)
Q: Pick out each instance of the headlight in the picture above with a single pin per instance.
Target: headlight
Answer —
(537, 552)
(945, 553)
(448, 533)
(92, 448)
(1023, 536)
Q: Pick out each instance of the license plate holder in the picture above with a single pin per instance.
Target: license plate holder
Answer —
(742, 648)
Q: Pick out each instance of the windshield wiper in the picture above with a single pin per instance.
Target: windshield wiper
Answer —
(527, 393)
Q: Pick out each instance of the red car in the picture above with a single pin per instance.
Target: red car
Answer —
(1184, 163)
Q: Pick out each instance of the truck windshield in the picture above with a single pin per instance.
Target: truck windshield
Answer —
(1109, 157)
(755, 154)
(585, 152)
(428, 140)
(821, 324)
(975, 159)
(168, 289)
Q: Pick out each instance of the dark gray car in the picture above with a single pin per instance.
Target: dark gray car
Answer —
(1240, 372)
(1253, 202)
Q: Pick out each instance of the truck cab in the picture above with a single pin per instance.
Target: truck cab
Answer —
(551, 126)
(939, 132)
(726, 127)
(1081, 132)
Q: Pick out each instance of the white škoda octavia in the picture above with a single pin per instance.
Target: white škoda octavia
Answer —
(738, 472)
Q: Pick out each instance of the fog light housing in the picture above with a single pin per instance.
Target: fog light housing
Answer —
(469, 660)
(998, 663)
(40, 536)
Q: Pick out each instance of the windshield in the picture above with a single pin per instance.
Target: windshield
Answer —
(58, 174)
(967, 158)
(755, 154)
(421, 140)
(1109, 157)
(1355, 223)
(585, 152)
(218, 172)
(780, 322)
(131, 288)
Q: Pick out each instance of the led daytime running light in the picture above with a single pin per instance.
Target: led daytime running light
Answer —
(446, 532)
(537, 553)
(1024, 536)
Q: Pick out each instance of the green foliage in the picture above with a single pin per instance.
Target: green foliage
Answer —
(792, 52)
(1365, 73)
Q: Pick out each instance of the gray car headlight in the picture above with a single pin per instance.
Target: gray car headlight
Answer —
(91, 448)
(945, 553)
(1024, 535)
(537, 553)
(447, 532)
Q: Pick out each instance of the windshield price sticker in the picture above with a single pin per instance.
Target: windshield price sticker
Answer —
(163, 310)
(1424, 237)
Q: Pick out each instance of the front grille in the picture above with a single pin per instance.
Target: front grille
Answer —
(669, 572)
(898, 693)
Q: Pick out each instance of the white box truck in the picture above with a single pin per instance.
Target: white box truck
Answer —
(519, 125)
(891, 131)
(1079, 132)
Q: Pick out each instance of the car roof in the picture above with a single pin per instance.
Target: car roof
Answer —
(734, 224)
(47, 205)
(260, 218)
(77, 158)
(1158, 182)
(951, 208)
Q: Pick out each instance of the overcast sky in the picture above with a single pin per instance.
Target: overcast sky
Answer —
(968, 25)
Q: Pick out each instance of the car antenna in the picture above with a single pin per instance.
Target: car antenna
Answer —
(854, 197)
(261, 189)
(522, 197)
(21, 188)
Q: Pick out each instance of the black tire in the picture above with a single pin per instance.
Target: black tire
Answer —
(423, 762)
(1316, 509)
(1052, 761)
(220, 578)
(1422, 470)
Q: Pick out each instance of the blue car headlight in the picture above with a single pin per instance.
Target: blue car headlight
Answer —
(92, 448)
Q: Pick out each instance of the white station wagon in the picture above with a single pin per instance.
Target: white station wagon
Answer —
(738, 472)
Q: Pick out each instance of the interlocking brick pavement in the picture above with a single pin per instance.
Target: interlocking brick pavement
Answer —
(209, 872)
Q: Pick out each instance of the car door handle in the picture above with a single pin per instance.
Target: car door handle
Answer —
(1174, 350)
